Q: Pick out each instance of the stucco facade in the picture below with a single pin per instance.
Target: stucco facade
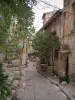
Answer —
(63, 23)
(69, 34)
(55, 24)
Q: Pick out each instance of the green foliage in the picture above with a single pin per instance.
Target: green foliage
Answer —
(22, 11)
(5, 12)
(43, 44)
(5, 90)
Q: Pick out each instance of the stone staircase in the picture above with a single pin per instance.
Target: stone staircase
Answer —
(13, 70)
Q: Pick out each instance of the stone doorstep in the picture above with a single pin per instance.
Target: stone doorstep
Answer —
(63, 89)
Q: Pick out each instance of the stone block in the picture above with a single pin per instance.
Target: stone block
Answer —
(10, 65)
(64, 83)
(17, 78)
(15, 69)
(16, 62)
(16, 82)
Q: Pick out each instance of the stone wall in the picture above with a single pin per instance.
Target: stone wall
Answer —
(62, 63)
(57, 26)
(69, 37)
(72, 59)
(13, 71)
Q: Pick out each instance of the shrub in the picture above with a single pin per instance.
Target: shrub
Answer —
(5, 90)
(44, 44)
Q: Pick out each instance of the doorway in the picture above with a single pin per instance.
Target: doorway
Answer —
(67, 69)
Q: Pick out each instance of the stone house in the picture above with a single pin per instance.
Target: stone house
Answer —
(69, 36)
(54, 24)
(63, 23)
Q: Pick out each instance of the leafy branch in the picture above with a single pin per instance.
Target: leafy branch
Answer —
(43, 44)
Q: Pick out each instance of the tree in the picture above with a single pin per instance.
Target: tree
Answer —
(22, 11)
(43, 44)
(5, 90)
(5, 22)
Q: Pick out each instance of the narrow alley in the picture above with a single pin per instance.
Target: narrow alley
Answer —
(36, 87)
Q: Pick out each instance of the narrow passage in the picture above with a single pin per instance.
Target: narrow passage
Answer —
(36, 87)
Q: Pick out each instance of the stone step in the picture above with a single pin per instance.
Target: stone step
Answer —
(14, 69)
(12, 65)
(17, 78)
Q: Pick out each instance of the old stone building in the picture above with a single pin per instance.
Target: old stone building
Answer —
(55, 25)
(69, 35)
(63, 23)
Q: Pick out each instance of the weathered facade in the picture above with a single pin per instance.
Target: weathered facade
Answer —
(54, 24)
(69, 34)
(63, 23)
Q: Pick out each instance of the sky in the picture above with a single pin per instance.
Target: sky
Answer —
(41, 8)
